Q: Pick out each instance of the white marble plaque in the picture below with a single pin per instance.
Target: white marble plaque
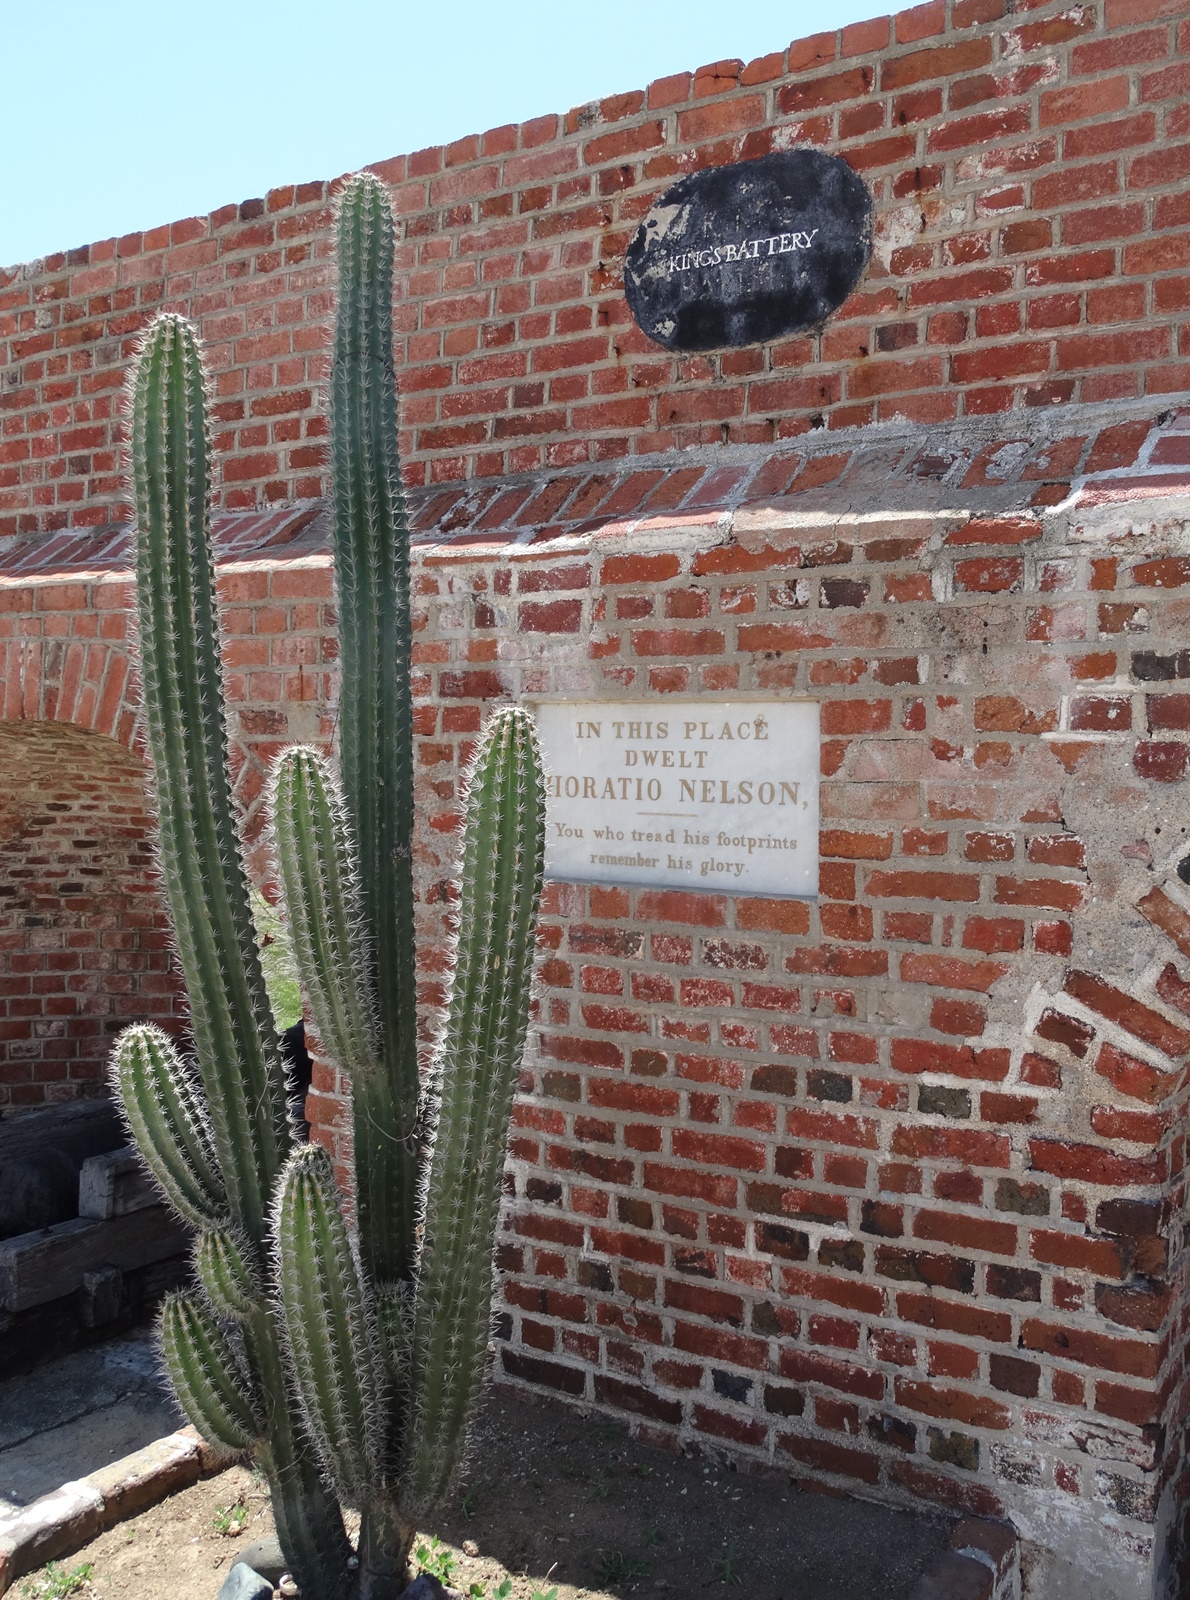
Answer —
(691, 794)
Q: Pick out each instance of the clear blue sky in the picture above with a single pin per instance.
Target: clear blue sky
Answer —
(128, 113)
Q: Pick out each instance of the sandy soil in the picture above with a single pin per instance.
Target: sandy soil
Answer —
(171, 1552)
(553, 1499)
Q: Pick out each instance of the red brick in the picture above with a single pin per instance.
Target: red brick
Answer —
(958, 1061)
(1163, 762)
(943, 61)
(1072, 1250)
(949, 886)
(725, 116)
(756, 914)
(812, 93)
(994, 575)
(968, 1145)
(1051, 892)
(1090, 1163)
(1130, 1014)
(836, 1459)
(954, 1405)
(807, 1366)
(639, 569)
(555, 616)
(1133, 1077)
(1070, 1343)
(969, 1233)
(677, 905)
(1163, 913)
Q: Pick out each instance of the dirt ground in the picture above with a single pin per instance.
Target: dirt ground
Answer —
(551, 1500)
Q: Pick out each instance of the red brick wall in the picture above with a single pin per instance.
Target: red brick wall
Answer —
(884, 1188)
(1029, 166)
(84, 947)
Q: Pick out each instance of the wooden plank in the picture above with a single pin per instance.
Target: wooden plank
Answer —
(115, 1184)
(81, 1128)
(49, 1263)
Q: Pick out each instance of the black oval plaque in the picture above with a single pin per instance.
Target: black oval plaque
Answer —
(747, 253)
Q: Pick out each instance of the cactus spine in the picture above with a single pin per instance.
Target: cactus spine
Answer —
(223, 1262)
(329, 1328)
(351, 1365)
(321, 894)
(168, 1119)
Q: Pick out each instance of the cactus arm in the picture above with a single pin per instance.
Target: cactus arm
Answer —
(164, 1110)
(329, 1328)
(181, 679)
(227, 1273)
(479, 1063)
(371, 548)
(208, 1381)
(321, 895)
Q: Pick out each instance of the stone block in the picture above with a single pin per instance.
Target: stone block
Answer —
(243, 1583)
(52, 1526)
(141, 1479)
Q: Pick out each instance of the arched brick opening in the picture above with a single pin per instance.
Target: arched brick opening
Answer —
(84, 945)
(81, 680)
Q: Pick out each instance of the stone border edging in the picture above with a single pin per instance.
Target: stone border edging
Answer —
(982, 1563)
(61, 1522)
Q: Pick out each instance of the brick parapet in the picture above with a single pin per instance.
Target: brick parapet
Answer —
(1028, 167)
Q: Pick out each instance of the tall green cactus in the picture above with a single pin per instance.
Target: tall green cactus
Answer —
(239, 1112)
(349, 1364)
(371, 544)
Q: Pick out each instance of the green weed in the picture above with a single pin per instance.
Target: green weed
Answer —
(277, 962)
(723, 1568)
(230, 1520)
(479, 1590)
(615, 1567)
(438, 1559)
(56, 1583)
(601, 1488)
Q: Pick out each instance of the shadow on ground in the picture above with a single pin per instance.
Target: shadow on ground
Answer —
(551, 1499)
(573, 1501)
